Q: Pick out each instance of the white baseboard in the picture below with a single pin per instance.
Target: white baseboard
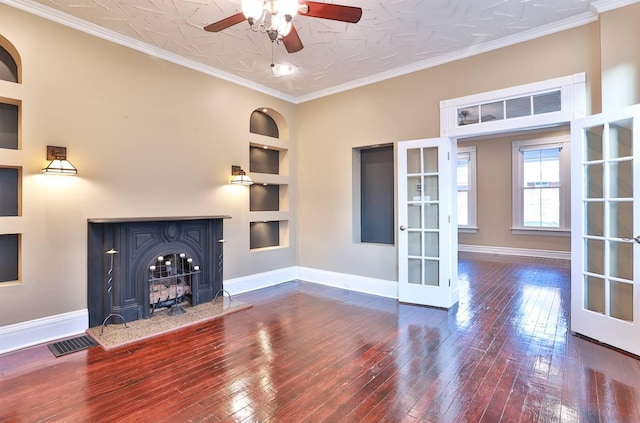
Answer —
(33, 332)
(561, 255)
(260, 280)
(26, 334)
(380, 287)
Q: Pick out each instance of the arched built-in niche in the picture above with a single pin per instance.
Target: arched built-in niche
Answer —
(269, 168)
(10, 65)
(10, 173)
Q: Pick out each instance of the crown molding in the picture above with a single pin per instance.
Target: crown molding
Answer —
(562, 25)
(602, 6)
(62, 18)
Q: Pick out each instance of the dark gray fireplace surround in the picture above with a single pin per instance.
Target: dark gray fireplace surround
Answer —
(139, 242)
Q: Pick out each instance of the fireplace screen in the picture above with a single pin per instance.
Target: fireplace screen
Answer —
(170, 278)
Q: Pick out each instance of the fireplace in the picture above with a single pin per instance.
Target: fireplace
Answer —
(147, 250)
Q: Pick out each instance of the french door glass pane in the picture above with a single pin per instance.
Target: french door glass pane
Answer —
(432, 272)
(621, 260)
(414, 219)
(594, 294)
(414, 271)
(430, 160)
(621, 181)
(431, 240)
(621, 303)
(415, 243)
(593, 181)
(594, 219)
(620, 221)
(431, 216)
(413, 160)
(621, 136)
(430, 188)
(414, 188)
(594, 143)
(594, 256)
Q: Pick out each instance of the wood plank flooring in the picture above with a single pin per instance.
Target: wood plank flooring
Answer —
(310, 353)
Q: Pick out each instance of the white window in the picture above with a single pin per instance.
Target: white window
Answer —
(467, 198)
(541, 186)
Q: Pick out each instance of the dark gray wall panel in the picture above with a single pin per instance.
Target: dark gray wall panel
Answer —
(9, 191)
(264, 161)
(264, 198)
(8, 126)
(264, 234)
(263, 124)
(377, 195)
(9, 257)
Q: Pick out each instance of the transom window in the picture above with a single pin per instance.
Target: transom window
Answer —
(541, 184)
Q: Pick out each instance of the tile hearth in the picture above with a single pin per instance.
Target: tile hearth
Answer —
(117, 335)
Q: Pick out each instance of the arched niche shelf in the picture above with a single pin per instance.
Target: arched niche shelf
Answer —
(268, 122)
(10, 64)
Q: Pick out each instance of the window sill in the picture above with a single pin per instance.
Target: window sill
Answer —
(468, 229)
(541, 231)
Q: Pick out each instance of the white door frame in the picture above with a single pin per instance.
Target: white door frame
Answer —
(573, 106)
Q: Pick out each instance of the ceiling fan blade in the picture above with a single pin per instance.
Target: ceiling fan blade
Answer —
(292, 41)
(225, 23)
(334, 12)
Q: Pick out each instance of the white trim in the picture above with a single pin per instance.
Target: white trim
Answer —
(607, 5)
(89, 28)
(38, 331)
(552, 28)
(573, 93)
(373, 286)
(485, 249)
(260, 280)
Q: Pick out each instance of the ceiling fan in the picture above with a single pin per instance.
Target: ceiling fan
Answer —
(275, 18)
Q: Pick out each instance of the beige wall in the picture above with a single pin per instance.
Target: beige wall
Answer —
(620, 57)
(149, 138)
(494, 175)
(154, 139)
(406, 108)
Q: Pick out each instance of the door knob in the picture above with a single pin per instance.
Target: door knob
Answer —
(637, 239)
(402, 228)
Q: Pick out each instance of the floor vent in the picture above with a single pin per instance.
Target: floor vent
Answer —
(72, 345)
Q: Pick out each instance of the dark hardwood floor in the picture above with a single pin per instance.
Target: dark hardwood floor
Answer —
(309, 353)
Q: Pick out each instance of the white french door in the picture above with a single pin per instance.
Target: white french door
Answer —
(605, 244)
(427, 236)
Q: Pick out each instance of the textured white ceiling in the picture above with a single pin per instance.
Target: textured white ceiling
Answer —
(392, 35)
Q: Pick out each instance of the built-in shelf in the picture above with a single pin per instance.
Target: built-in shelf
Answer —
(9, 258)
(10, 191)
(10, 172)
(269, 195)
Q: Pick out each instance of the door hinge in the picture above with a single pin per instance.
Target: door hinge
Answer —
(448, 156)
(449, 218)
(449, 283)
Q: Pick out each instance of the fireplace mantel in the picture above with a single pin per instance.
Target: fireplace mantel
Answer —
(152, 219)
(139, 242)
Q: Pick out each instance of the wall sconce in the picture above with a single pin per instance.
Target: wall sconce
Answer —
(59, 163)
(239, 176)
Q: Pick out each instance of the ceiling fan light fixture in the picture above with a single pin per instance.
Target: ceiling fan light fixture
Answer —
(282, 69)
(287, 8)
(253, 10)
